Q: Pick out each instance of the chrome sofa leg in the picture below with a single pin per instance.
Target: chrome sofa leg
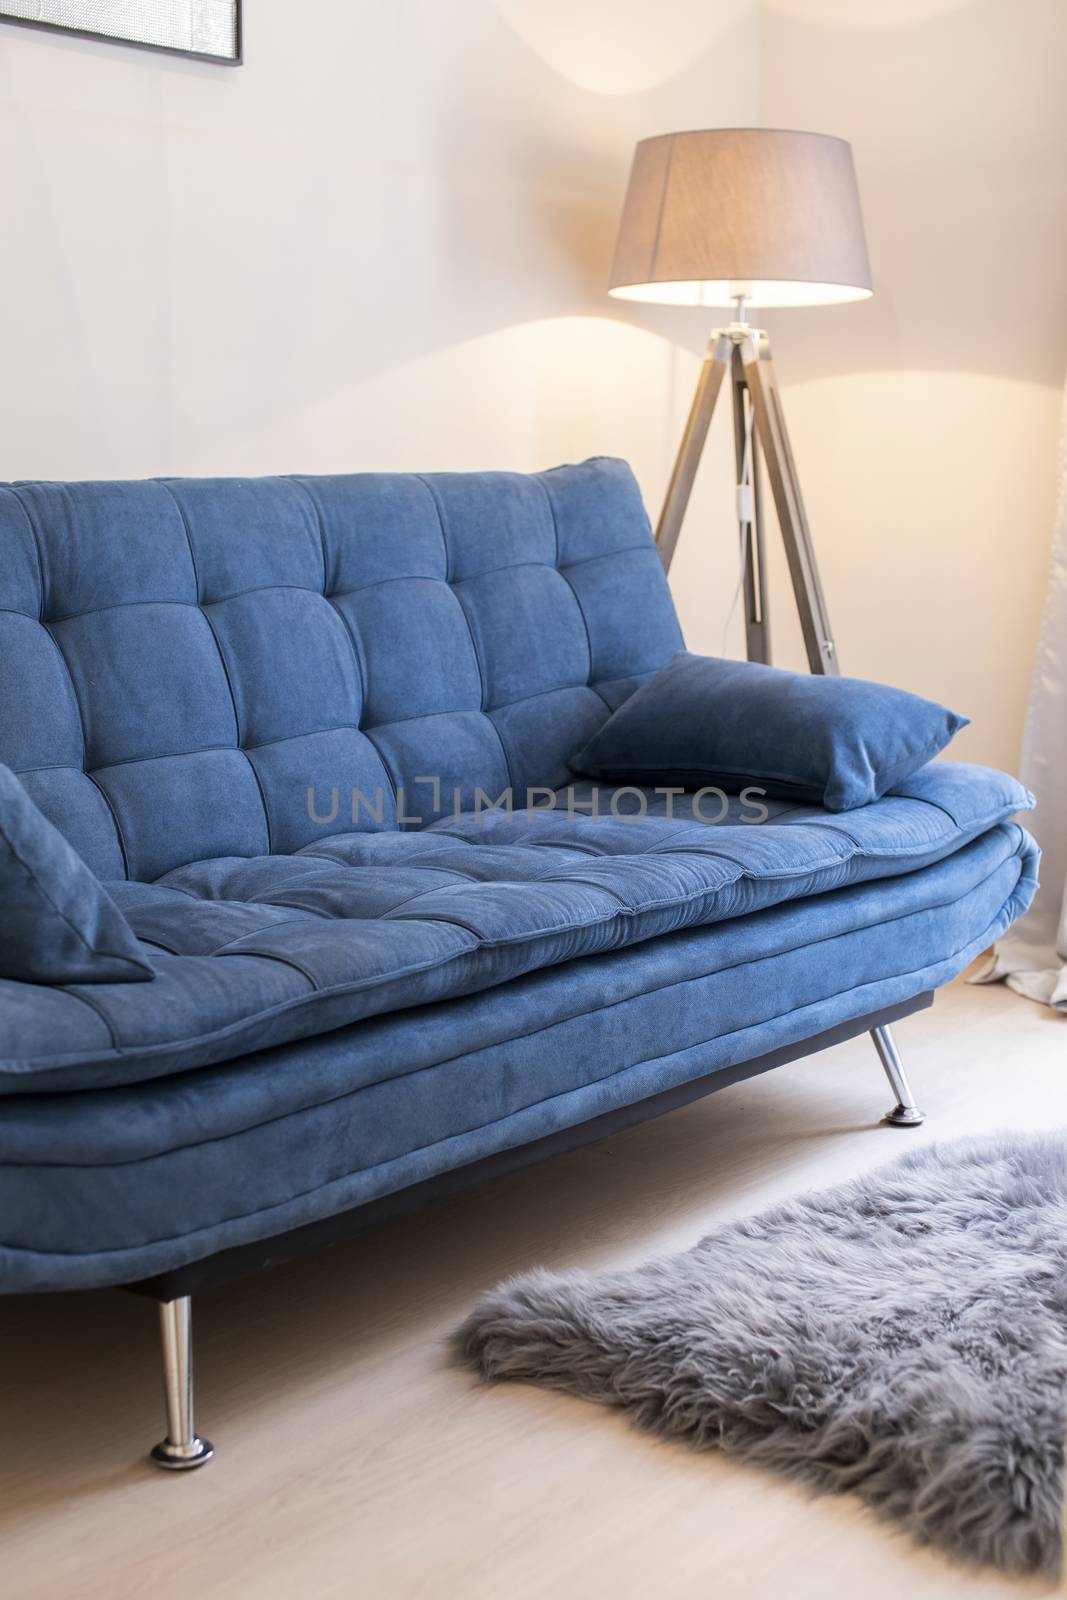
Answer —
(905, 1114)
(181, 1449)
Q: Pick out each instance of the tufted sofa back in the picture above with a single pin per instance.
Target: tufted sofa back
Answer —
(182, 659)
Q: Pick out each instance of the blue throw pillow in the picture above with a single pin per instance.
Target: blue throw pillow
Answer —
(57, 923)
(833, 742)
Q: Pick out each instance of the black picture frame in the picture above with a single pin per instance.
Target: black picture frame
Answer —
(236, 60)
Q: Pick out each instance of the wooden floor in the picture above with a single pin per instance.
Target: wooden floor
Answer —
(354, 1461)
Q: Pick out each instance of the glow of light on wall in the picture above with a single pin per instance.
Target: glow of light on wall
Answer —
(860, 14)
(620, 47)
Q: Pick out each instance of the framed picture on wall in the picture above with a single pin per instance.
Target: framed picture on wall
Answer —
(207, 29)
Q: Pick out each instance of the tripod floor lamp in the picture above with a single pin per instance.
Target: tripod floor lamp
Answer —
(746, 217)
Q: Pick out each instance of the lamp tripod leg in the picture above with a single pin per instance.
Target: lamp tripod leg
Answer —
(746, 352)
(750, 518)
(755, 353)
(716, 364)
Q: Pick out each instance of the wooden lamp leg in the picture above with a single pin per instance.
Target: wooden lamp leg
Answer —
(757, 618)
(789, 502)
(746, 354)
(716, 365)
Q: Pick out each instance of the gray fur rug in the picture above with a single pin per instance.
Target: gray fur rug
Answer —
(902, 1336)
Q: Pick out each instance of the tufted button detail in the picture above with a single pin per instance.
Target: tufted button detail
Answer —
(216, 646)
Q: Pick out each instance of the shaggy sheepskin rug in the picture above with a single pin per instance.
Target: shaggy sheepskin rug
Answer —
(902, 1336)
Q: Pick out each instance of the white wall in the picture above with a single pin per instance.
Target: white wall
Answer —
(925, 419)
(383, 243)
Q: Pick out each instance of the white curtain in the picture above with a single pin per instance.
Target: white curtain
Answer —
(1033, 957)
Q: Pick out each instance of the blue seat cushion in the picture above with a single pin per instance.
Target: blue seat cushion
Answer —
(57, 922)
(108, 1185)
(829, 741)
(252, 952)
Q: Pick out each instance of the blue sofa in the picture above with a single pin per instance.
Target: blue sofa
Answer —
(281, 719)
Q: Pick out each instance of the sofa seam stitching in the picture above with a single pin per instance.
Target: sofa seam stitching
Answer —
(320, 529)
(361, 675)
(306, 588)
(76, 993)
(101, 791)
(38, 551)
(351, 1093)
(483, 709)
(222, 659)
(328, 597)
(349, 988)
(283, 961)
(431, 490)
(574, 592)
(368, 734)
(36, 546)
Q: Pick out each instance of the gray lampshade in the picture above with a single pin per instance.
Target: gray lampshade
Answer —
(713, 214)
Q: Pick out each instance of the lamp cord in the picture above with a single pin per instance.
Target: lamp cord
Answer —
(744, 523)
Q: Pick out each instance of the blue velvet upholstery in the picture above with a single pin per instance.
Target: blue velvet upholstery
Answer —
(253, 951)
(835, 742)
(271, 716)
(180, 661)
(104, 1186)
(57, 923)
